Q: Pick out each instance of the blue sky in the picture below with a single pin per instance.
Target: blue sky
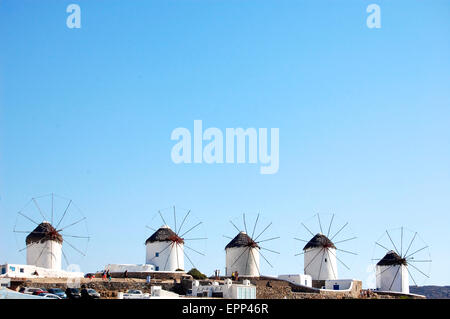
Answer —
(364, 118)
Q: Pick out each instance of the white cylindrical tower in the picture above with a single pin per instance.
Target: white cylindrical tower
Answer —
(320, 258)
(242, 255)
(44, 247)
(392, 273)
(164, 250)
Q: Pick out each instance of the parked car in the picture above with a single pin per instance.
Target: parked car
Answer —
(57, 291)
(50, 296)
(135, 294)
(29, 290)
(94, 294)
(73, 293)
(39, 292)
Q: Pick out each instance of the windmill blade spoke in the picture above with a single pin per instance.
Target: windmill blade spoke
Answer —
(419, 270)
(194, 250)
(306, 267)
(409, 246)
(267, 261)
(332, 268)
(385, 269)
(392, 242)
(187, 256)
(401, 242)
(75, 236)
(382, 246)
(163, 220)
(75, 248)
(235, 226)
(329, 227)
(299, 239)
(256, 264)
(268, 239)
(321, 263)
(168, 256)
(235, 261)
(393, 280)
(195, 238)
(21, 214)
(39, 209)
(73, 224)
(176, 251)
(65, 257)
(228, 237)
(339, 259)
(26, 232)
(412, 254)
(151, 228)
(175, 220)
(184, 219)
(341, 241)
(22, 249)
(411, 276)
(346, 251)
(272, 251)
(64, 214)
(308, 229)
(419, 261)
(254, 226)
(39, 257)
(320, 224)
(267, 227)
(339, 231)
(192, 228)
(245, 224)
(164, 249)
(299, 253)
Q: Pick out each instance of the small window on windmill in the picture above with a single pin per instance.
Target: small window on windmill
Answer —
(325, 260)
(156, 254)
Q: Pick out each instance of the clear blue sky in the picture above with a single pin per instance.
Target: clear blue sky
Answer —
(364, 118)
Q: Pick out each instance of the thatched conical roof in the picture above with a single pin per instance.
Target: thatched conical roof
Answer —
(391, 259)
(319, 241)
(242, 240)
(164, 233)
(42, 233)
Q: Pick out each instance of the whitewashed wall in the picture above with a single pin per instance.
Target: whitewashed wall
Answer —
(27, 271)
(168, 255)
(324, 263)
(385, 277)
(45, 255)
(247, 265)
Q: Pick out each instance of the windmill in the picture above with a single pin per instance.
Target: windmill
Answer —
(167, 246)
(321, 250)
(54, 228)
(400, 254)
(244, 250)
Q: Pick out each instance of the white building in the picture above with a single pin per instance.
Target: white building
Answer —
(297, 279)
(130, 268)
(44, 247)
(242, 255)
(44, 251)
(228, 290)
(165, 250)
(31, 271)
(320, 258)
(392, 273)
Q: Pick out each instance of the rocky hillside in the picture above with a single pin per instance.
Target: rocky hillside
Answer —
(432, 292)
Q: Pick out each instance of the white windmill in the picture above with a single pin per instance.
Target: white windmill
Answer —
(53, 226)
(400, 261)
(243, 252)
(166, 247)
(320, 252)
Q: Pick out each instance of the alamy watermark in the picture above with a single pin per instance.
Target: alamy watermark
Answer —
(241, 146)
